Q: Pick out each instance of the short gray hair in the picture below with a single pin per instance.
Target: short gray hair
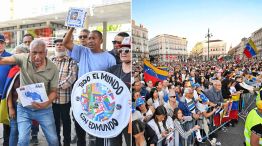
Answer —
(38, 42)
(21, 49)
(216, 82)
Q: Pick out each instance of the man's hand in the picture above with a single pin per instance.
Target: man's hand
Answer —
(42, 105)
(11, 112)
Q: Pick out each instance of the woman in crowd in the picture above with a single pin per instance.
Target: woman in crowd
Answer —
(146, 111)
(162, 125)
(180, 134)
(154, 99)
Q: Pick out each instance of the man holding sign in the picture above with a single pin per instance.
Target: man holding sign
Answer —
(89, 59)
(36, 68)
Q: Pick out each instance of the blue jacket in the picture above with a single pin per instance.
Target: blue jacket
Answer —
(4, 69)
(183, 106)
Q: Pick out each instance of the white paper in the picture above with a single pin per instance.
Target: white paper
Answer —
(32, 93)
(76, 17)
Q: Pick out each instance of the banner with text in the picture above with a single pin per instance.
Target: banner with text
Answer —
(101, 104)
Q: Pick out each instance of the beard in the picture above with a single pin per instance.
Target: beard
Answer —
(60, 54)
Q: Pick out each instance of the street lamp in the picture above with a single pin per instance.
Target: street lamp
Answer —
(209, 35)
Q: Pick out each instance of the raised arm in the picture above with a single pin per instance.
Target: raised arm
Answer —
(67, 41)
(7, 60)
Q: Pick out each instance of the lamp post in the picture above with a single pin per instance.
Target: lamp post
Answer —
(208, 36)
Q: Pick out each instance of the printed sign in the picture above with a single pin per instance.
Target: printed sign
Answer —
(101, 104)
(32, 93)
(76, 17)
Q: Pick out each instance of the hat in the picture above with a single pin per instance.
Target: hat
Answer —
(126, 42)
(2, 38)
(196, 85)
(58, 40)
(139, 101)
(171, 94)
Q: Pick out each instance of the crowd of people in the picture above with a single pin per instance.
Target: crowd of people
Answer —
(195, 99)
(29, 64)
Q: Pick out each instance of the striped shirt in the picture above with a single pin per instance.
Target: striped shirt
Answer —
(191, 105)
(67, 76)
(181, 131)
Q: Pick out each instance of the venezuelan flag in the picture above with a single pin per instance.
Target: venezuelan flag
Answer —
(234, 109)
(153, 73)
(165, 68)
(4, 117)
(251, 49)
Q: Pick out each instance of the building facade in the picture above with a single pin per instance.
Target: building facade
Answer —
(257, 38)
(168, 48)
(139, 42)
(216, 49)
(46, 18)
(237, 51)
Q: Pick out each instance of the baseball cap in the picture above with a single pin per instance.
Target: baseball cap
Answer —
(58, 40)
(2, 38)
(196, 85)
(139, 101)
(126, 42)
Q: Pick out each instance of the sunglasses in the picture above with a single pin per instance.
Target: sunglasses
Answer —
(126, 50)
(116, 42)
(59, 44)
(82, 36)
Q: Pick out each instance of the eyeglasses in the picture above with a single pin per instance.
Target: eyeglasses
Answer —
(126, 50)
(116, 42)
(82, 36)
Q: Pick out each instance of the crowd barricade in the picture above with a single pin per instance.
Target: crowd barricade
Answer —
(247, 103)
(171, 139)
(213, 126)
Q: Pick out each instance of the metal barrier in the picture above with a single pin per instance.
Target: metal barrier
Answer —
(247, 107)
(186, 143)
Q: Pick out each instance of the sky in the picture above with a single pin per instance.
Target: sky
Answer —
(228, 20)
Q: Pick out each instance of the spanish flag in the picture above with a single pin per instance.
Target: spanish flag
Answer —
(251, 49)
(153, 73)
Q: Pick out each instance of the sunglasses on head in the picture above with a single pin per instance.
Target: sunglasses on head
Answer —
(126, 50)
(82, 36)
(116, 42)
